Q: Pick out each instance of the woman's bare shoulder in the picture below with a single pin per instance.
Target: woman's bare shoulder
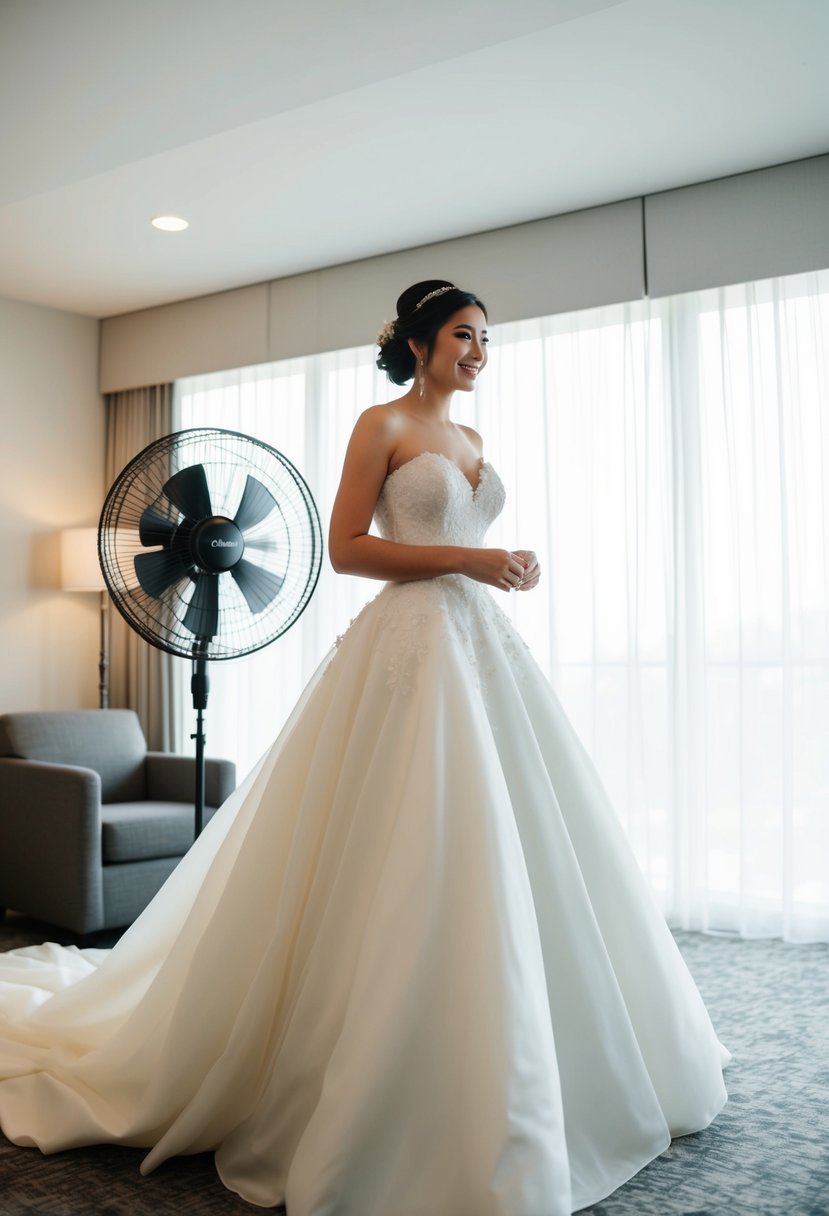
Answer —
(474, 438)
(375, 437)
(384, 419)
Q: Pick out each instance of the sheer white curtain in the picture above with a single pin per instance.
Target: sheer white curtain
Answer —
(669, 461)
(306, 409)
(756, 555)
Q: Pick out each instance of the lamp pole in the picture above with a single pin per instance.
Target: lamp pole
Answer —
(103, 658)
(81, 571)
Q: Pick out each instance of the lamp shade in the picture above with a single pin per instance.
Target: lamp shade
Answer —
(80, 569)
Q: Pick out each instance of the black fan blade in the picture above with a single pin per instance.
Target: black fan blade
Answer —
(202, 615)
(258, 586)
(155, 529)
(158, 571)
(188, 491)
(257, 503)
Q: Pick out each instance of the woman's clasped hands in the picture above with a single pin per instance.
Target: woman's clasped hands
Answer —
(509, 570)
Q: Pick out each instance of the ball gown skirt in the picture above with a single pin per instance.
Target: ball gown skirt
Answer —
(410, 968)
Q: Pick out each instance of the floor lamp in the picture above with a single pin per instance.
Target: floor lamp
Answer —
(81, 571)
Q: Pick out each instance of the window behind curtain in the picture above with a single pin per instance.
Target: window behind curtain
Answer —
(668, 461)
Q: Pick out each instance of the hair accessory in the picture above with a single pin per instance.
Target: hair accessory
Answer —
(439, 291)
(386, 334)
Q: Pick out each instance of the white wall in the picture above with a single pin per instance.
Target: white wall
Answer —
(51, 477)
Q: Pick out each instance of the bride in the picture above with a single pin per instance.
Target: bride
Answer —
(410, 967)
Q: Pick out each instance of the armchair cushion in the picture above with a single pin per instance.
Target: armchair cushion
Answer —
(140, 831)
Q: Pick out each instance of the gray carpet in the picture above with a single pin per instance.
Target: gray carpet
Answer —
(766, 1155)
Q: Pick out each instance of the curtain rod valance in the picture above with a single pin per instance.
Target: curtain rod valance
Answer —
(737, 229)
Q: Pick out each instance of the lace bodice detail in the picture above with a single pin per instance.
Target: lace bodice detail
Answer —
(429, 501)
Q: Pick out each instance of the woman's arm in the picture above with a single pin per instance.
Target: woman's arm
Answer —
(353, 551)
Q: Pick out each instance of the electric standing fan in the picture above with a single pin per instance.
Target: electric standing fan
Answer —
(210, 546)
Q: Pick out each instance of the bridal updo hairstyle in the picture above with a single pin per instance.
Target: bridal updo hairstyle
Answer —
(421, 311)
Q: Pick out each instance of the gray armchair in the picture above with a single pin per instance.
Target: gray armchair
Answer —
(91, 823)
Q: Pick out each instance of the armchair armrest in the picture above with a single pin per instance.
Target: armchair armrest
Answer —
(50, 842)
(173, 779)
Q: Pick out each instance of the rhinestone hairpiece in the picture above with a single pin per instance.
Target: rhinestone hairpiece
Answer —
(439, 291)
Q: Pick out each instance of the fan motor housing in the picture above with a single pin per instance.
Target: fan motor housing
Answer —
(216, 544)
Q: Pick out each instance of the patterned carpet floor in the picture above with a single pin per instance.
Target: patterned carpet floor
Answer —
(766, 1155)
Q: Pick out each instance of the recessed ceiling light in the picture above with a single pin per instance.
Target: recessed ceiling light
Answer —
(170, 223)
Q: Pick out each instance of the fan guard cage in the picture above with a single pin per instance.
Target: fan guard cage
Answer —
(286, 545)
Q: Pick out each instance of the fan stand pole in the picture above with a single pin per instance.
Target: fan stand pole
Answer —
(199, 686)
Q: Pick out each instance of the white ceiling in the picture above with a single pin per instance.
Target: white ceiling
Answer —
(304, 134)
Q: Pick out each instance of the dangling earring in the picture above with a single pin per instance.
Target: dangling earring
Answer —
(421, 379)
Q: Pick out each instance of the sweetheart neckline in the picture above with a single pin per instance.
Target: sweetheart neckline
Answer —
(484, 465)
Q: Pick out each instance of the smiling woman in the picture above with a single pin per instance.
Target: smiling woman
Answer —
(441, 332)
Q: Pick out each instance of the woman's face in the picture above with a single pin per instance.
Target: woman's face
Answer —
(459, 353)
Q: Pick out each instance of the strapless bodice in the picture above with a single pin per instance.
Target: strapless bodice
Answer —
(429, 501)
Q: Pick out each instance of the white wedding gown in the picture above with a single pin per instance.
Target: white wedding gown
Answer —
(410, 968)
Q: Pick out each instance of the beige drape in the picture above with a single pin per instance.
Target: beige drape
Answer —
(141, 676)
